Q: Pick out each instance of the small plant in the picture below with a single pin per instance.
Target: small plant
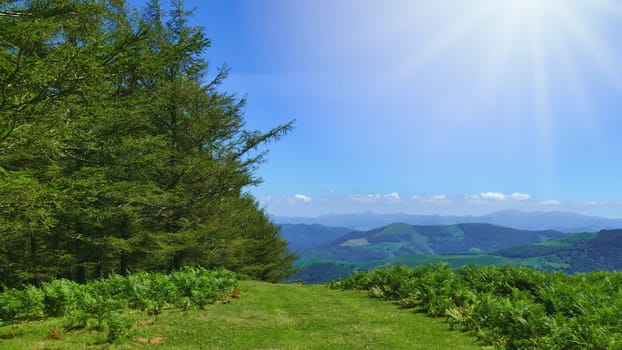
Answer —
(59, 296)
(203, 297)
(53, 333)
(10, 332)
(183, 303)
(77, 319)
(32, 302)
(118, 327)
(11, 303)
(235, 293)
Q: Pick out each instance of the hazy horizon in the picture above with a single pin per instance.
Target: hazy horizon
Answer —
(364, 213)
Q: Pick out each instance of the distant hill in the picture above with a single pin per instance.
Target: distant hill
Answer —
(575, 253)
(555, 220)
(402, 239)
(328, 252)
(581, 252)
(302, 236)
(320, 271)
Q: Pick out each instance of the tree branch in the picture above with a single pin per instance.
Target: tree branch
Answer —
(15, 14)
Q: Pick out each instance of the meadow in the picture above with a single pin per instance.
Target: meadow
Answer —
(261, 316)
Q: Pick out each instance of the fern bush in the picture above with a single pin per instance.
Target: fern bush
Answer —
(10, 304)
(60, 297)
(508, 307)
(100, 303)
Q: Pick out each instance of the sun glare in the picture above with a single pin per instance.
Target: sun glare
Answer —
(525, 9)
(521, 55)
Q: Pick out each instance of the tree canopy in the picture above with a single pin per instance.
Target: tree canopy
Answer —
(119, 151)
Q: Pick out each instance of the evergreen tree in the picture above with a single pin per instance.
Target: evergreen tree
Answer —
(116, 154)
(45, 47)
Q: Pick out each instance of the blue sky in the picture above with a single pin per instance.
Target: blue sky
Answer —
(446, 106)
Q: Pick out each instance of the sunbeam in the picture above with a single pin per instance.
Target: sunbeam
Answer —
(438, 45)
(523, 54)
(514, 95)
(602, 55)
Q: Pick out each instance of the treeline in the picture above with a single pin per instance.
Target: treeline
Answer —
(118, 151)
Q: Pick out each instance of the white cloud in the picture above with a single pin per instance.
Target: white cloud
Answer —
(492, 195)
(472, 196)
(550, 202)
(374, 198)
(497, 196)
(392, 196)
(520, 196)
(432, 199)
(364, 198)
(303, 198)
(600, 203)
(443, 204)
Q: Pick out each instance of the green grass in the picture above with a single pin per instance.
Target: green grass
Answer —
(404, 229)
(584, 236)
(542, 263)
(568, 241)
(388, 249)
(396, 229)
(268, 316)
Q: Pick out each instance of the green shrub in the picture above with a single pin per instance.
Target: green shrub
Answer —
(201, 287)
(99, 303)
(118, 327)
(508, 307)
(10, 304)
(32, 302)
(77, 319)
(59, 296)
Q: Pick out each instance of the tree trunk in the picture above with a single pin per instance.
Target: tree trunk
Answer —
(123, 265)
(81, 274)
(178, 261)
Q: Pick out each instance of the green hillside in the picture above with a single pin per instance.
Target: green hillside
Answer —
(580, 252)
(320, 271)
(402, 239)
(300, 236)
(268, 316)
(453, 260)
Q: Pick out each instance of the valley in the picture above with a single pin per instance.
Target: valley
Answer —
(338, 252)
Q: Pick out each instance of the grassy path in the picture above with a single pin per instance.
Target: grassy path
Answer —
(271, 316)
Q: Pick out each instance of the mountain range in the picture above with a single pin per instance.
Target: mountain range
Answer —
(331, 252)
(582, 252)
(302, 236)
(403, 239)
(555, 220)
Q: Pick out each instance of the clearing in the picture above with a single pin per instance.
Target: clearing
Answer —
(268, 316)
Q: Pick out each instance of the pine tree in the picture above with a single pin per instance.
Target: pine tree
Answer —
(44, 48)
(210, 158)
(116, 152)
